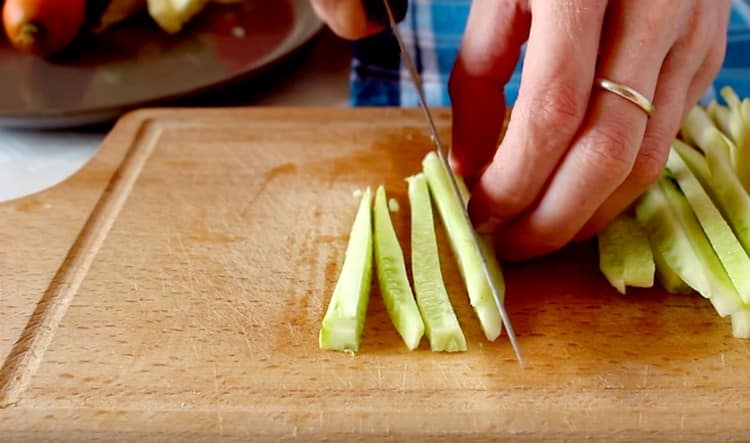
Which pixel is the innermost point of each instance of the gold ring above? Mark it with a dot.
(627, 93)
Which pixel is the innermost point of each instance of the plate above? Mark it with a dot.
(136, 64)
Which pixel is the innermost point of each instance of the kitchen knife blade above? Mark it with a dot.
(417, 82)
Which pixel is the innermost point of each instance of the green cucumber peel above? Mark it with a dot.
(462, 244)
(440, 321)
(675, 234)
(625, 256)
(342, 325)
(392, 278)
(729, 250)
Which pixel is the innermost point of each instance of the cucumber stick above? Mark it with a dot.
(676, 235)
(440, 321)
(343, 322)
(741, 324)
(718, 179)
(667, 277)
(462, 245)
(625, 256)
(729, 250)
(392, 279)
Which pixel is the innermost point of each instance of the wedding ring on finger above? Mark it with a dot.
(627, 93)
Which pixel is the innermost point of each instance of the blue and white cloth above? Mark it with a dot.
(433, 30)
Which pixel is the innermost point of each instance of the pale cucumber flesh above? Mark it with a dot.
(729, 250)
(441, 323)
(392, 278)
(741, 324)
(715, 174)
(462, 244)
(675, 233)
(625, 256)
(667, 277)
(344, 320)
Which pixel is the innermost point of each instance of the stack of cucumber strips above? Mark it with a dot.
(427, 309)
(691, 230)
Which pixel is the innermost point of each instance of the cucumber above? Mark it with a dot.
(718, 179)
(625, 256)
(392, 279)
(739, 133)
(667, 277)
(729, 250)
(462, 245)
(440, 321)
(675, 233)
(342, 325)
(720, 116)
(741, 324)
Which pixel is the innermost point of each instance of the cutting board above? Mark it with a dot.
(174, 287)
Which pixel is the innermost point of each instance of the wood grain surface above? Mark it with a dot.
(172, 290)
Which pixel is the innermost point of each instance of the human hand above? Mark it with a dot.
(354, 19)
(574, 155)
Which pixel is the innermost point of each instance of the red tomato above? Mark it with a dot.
(43, 27)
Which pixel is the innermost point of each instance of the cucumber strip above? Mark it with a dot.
(625, 256)
(741, 324)
(462, 245)
(342, 325)
(667, 277)
(729, 250)
(720, 116)
(675, 233)
(739, 133)
(440, 321)
(718, 179)
(392, 279)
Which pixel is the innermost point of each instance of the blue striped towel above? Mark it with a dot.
(433, 29)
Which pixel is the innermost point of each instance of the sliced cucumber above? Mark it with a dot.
(739, 134)
(718, 179)
(720, 116)
(392, 279)
(625, 256)
(741, 324)
(729, 250)
(440, 321)
(667, 277)
(342, 325)
(675, 233)
(462, 245)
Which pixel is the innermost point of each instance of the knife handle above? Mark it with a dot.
(376, 12)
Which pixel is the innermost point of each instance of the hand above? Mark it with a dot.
(349, 18)
(574, 155)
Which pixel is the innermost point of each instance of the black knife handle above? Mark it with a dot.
(376, 12)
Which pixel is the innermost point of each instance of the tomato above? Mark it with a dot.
(43, 27)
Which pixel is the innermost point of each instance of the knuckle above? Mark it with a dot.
(611, 148)
(560, 106)
(650, 161)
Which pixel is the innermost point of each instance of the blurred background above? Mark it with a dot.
(56, 107)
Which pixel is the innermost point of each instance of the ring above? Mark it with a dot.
(627, 93)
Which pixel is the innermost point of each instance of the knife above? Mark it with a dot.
(417, 82)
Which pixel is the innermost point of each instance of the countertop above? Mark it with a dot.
(31, 161)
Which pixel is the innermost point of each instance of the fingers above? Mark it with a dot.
(555, 87)
(490, 49)
(346, 18)
(682, 81)
(604, 151)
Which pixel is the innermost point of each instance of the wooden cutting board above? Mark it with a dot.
(173, 290)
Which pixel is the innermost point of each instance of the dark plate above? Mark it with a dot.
(136, 64)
